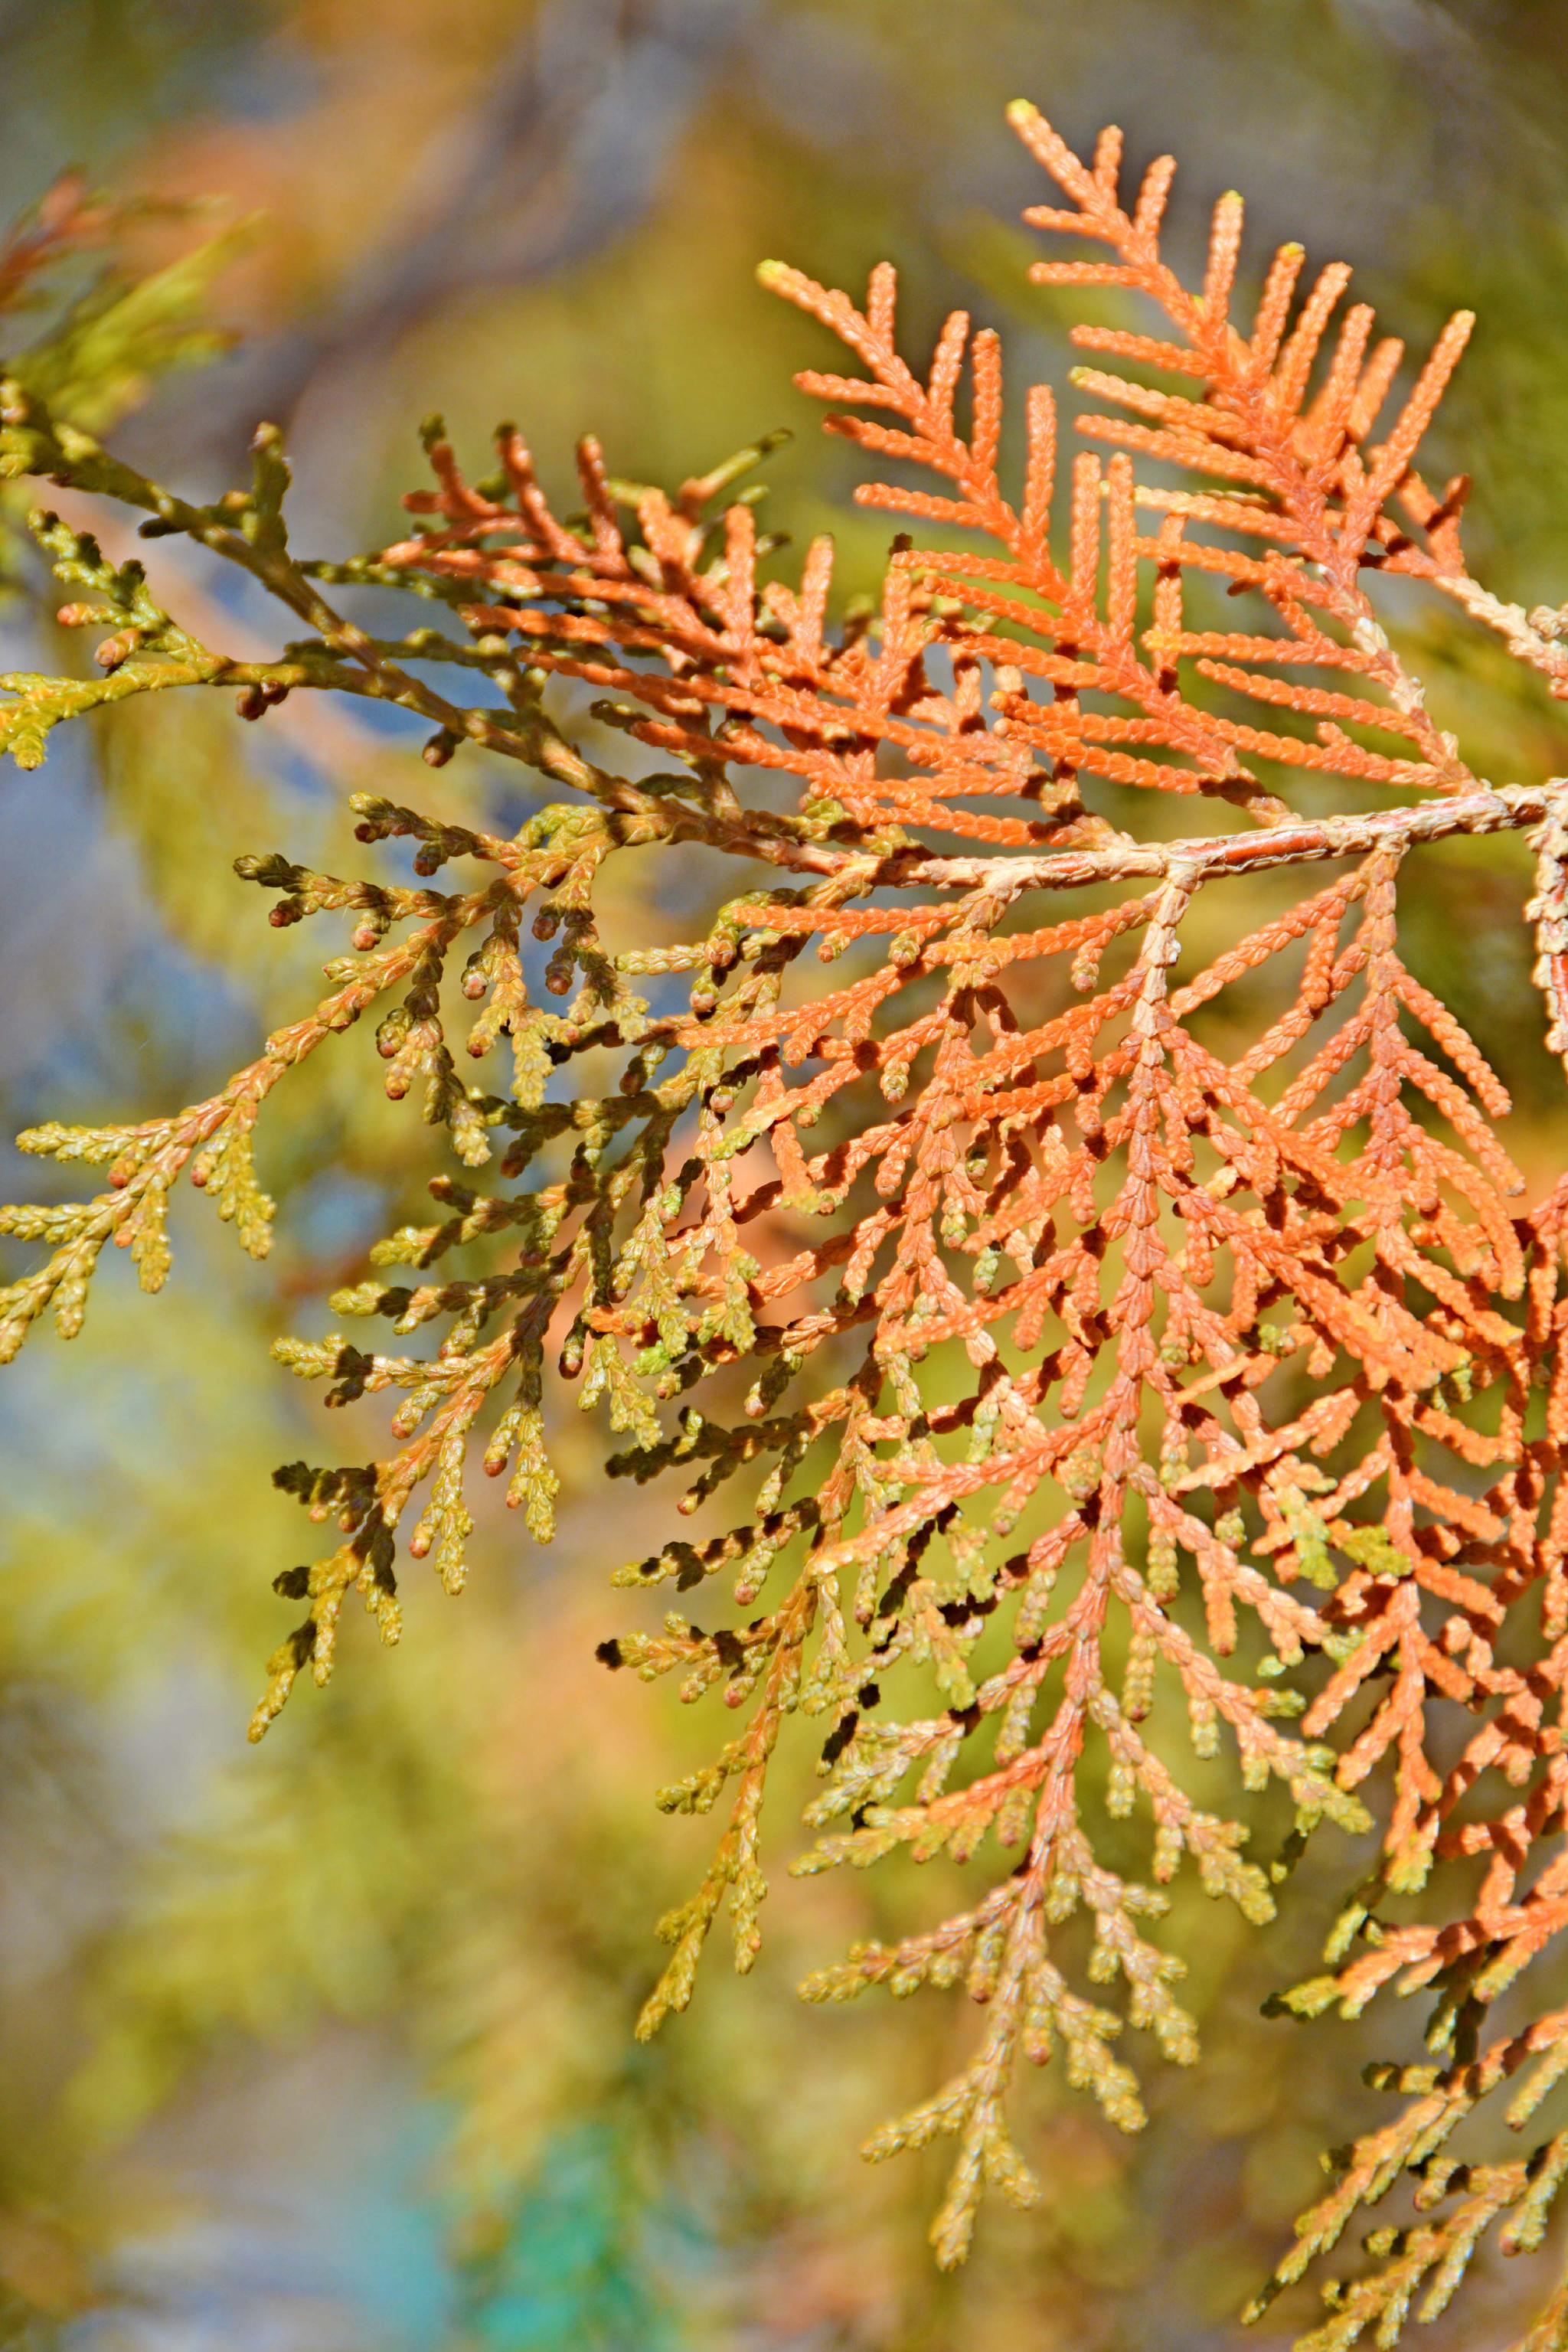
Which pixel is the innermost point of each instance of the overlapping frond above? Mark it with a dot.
(1096, 1399)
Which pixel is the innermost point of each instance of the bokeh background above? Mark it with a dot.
(326, 2047)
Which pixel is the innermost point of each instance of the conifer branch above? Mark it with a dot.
(1098, 1396)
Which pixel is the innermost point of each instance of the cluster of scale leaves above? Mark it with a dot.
(1101, 1398)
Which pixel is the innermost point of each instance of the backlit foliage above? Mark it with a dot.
(1124, 1334)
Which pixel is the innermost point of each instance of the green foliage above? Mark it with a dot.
(614, 1176)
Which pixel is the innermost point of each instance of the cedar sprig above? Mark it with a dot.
(1090, 1399)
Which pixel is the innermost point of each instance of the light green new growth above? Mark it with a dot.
(1073, 1264)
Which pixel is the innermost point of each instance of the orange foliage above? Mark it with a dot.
(1079, 1348)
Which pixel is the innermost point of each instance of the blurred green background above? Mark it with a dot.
(328, 2046)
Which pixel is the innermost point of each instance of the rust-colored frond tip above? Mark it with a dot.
(1119, 1320)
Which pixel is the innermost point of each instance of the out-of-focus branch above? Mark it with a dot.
(565, 152)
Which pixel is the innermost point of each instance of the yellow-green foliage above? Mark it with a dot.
(645, 659)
